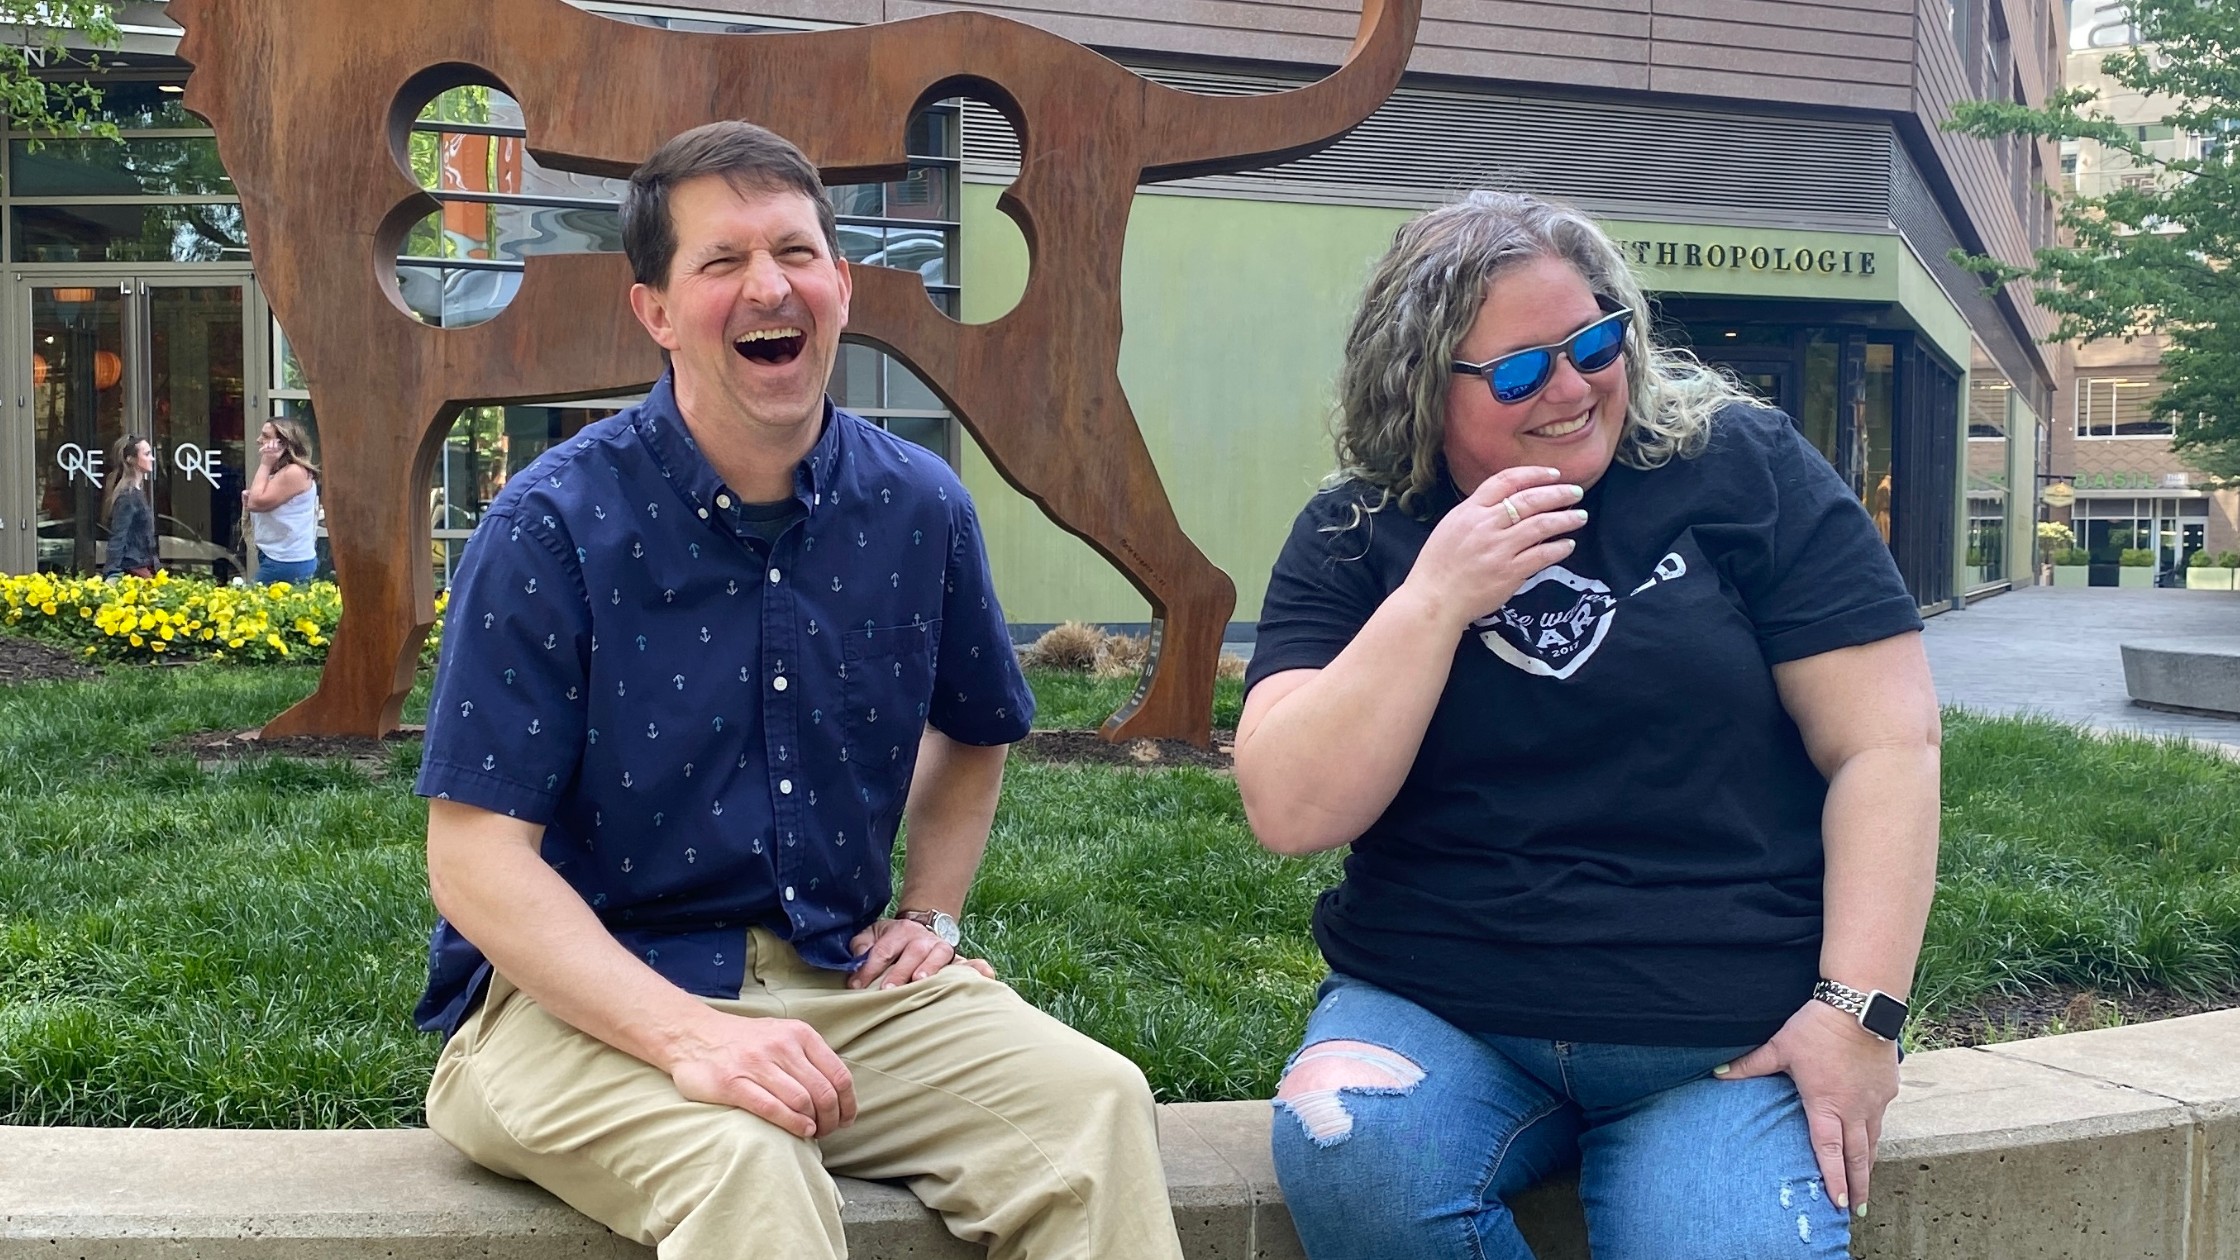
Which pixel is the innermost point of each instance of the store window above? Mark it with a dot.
(1990, 402)
(2119, 407)
(156, 194)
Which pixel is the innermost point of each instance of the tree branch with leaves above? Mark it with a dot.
(2154, 256)
(41, 38)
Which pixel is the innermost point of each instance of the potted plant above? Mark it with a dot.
(2206, 572)
(2135, 567)
(2072, 567)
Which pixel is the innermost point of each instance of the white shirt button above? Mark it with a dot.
(703, 514)
(773, 577)
(723, 500)
(778, 683)
(785, 787)
(789, 892)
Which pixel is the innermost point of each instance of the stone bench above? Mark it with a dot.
(2184, 675)
(2120, 1144)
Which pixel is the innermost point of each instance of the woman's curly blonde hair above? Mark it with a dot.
(1421, 300)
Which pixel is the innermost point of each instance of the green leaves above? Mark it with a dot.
(2153, 255)
(61, 107)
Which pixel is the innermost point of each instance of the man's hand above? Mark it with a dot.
(900, 951)
(778, 1069)
(1846, 1077)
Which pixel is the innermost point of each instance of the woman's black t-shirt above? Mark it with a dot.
(1612, 830)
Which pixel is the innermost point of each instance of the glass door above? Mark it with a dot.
(160, 360)
(77, 411)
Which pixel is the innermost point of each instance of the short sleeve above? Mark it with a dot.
(1325, 586)
(979, 695)
(506, 718)
(1826, 578)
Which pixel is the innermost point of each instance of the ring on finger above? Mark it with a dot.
(1515, 517)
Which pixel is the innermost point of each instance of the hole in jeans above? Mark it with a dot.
(1326, 1069)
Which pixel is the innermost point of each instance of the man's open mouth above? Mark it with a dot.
(775, 346)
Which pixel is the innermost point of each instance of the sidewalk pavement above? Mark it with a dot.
(2055, 652)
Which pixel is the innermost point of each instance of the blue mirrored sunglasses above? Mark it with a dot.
(1520, 374)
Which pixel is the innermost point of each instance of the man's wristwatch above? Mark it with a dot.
(941, 924)
(1876, 1011)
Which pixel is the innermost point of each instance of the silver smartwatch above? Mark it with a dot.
(1876, 1011)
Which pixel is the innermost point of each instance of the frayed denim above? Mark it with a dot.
(1398, 1137)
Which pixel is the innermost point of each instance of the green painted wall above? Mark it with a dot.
(1236, 315)
(1235, 318)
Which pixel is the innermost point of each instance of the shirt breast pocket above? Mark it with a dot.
(888, 687)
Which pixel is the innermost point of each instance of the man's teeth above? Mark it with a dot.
(769, 334)
(1563, 428)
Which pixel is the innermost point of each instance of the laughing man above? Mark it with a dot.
(701, 660)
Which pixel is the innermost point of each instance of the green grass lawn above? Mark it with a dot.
(243, 946)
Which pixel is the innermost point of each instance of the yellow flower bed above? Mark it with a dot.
(168, 618)
(174, 618)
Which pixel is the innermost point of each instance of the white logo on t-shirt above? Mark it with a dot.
(1557, 619)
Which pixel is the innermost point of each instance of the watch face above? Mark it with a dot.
(1885, 1016)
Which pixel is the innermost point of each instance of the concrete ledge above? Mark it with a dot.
(2185, 675)
(2122, 1144)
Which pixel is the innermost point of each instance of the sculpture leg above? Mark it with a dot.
(377, 524)
(1123, 511)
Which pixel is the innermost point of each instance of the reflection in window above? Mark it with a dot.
(2119, 406)
(173, 232)
(1873, 435)
(486, 447)
(157, 167)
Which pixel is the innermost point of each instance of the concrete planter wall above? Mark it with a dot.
(2072, 575)
(2134, 575)
(2210, 578)
(2121, 1144)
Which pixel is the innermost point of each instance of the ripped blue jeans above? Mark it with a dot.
(1429, 1129)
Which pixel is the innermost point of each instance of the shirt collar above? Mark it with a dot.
(683, 466)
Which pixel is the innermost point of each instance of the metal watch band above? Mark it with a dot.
(1877, 1012)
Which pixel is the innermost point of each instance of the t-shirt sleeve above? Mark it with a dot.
(506, 718)
(979, 694)
(1824, 578)
(1323, 589)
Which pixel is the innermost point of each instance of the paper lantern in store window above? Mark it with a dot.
(38, 370)
(108, 369)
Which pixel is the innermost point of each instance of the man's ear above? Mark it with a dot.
(651, 306)
(847, 288)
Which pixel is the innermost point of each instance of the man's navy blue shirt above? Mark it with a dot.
(713, 737)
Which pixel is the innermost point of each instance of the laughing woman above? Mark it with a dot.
(1616, 695)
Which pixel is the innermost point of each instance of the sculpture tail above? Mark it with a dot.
(1188, 135)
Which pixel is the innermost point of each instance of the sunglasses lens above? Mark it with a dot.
(1598, 347)
(1520, 376)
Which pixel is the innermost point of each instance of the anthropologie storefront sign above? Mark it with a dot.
(1742, 254)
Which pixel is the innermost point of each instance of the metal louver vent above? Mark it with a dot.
(1425, 146)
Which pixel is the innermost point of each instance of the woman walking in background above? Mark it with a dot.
(283, 503)
(129, 510)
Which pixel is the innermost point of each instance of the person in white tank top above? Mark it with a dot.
(283, 503)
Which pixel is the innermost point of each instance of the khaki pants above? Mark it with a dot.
(1025, 1135)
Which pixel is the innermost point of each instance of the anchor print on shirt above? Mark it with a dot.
(1553, 624)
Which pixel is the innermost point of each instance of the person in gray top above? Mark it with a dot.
(129, 510)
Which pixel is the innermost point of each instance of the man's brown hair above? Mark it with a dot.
(752, 159)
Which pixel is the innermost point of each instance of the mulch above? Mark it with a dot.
(25, 660)
(1090, 748)
(2062, 1008)
(214, 748)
